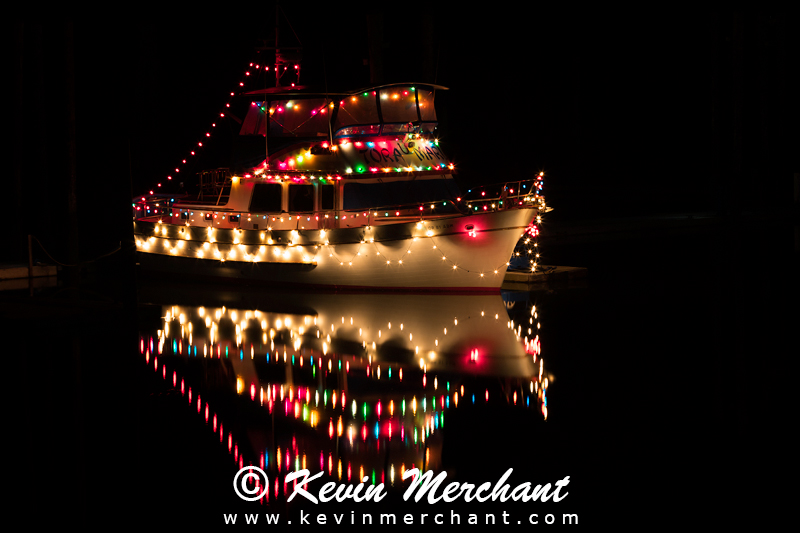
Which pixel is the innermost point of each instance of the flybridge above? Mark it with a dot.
(378, 130)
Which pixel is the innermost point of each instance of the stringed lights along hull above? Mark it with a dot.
(450, 253)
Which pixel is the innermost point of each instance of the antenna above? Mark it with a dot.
(284, 55)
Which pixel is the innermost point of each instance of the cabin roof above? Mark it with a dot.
(301, 91)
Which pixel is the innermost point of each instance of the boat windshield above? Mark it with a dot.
(379, 111)
(385, 110)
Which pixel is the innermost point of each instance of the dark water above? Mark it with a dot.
(656, 369)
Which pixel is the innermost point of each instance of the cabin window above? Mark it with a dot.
(299, 118)
(326, 197)
(409, 127)
(288, 118)
(426, 109)
(185, 215)
(233, 218)
(266, 198)
(361, 129)
(359, 196)
(358, 110)
(398, 104)
(406, 127)
(301, 198)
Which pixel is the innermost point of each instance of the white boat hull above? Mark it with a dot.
(462, 252)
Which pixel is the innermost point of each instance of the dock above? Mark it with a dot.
(15, 277)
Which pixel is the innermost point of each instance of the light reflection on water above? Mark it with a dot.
(353, 385)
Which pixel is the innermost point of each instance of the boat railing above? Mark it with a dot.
(493, 197)
(326, 218)
(213, 182)
(509, 195)
(155, 204)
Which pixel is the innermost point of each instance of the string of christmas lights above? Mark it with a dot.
(146, 349)
(255, 253)
(252, 67)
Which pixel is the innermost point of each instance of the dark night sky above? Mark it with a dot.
(575, 97)
(625, 115)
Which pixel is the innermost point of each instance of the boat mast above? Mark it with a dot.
(277, 84)
(266, 126)
(293, 55)
(277, 50)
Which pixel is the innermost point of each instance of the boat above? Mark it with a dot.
(352, 192)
